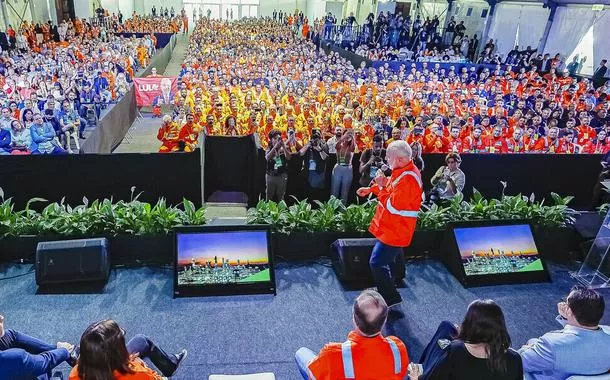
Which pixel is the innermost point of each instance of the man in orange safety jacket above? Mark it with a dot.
(366, 355)
(399, 197)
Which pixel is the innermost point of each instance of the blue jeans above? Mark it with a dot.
(15, 339)
(341, 182)
(41, 357)
(433, 351)
(382, 257)
(145, 347)
(303, 357)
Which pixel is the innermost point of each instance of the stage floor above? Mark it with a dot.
(244, 334)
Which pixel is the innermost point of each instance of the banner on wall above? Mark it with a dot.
(155, 90)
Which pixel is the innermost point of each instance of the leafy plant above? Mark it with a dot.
(327, 217)
(98, 218)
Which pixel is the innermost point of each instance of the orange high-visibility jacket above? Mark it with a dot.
(398, 207)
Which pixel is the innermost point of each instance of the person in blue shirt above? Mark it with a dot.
(582, 347)
(5, 141)
(25, 357)
(43, 137)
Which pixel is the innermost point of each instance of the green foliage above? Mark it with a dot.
(333, 216)
(105, 217)
(109, 218)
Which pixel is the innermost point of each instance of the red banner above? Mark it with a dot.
(155, 90)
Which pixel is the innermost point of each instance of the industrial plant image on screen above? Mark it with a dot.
(498, 249)
(216, 258)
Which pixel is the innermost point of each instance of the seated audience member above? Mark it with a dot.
(5, 141)
(477, 349)
(582, 347)
(21, 139)
(366, 355)
(24, 357)
(449, 180)
(104, 355)
(43, 138)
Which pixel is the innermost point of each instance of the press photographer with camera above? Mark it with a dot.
(372, 160)
(342, 175)
(448, 181)
(277, 157)
(314, 154)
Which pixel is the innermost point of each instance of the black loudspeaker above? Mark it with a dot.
(351, 261)
(67, 261)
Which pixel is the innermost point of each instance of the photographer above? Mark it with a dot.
(342, 175)
(372, 160)
(314, 154)
(277, 157)
(448, 181)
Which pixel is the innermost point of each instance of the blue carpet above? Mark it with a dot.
(244, 334)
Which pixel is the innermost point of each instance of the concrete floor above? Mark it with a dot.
(142, 136)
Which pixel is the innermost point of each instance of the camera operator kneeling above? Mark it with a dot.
(448, 181)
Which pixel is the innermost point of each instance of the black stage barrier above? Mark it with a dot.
(232, 164)
(172, 176)
(574, 175)
(115, 123)
(354, 58)
(112, 127)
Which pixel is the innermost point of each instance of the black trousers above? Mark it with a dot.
(146, 348)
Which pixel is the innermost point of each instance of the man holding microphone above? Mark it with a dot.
(400, 197)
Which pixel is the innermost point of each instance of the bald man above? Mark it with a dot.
(366, 354)
(396, 216)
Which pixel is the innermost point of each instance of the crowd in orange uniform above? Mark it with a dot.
(252, 76)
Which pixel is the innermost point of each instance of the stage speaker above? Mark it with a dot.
(66, 261)
(351, 261)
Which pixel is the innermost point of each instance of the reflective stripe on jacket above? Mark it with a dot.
(399, 203)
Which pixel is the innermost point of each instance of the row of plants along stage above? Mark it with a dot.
(110, 218)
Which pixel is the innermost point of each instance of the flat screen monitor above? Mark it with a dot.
(223, 260)
(496, 252)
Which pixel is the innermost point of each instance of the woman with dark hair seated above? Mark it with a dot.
(478, 349)
(105, 356)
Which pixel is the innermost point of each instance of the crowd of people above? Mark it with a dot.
(479, 347)
(258, 77)
(55, 80)
(395, 37)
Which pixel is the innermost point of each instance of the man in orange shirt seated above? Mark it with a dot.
(366, 355)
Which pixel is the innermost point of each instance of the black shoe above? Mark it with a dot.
(179, 359)
(73, 358)
(81, 136)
